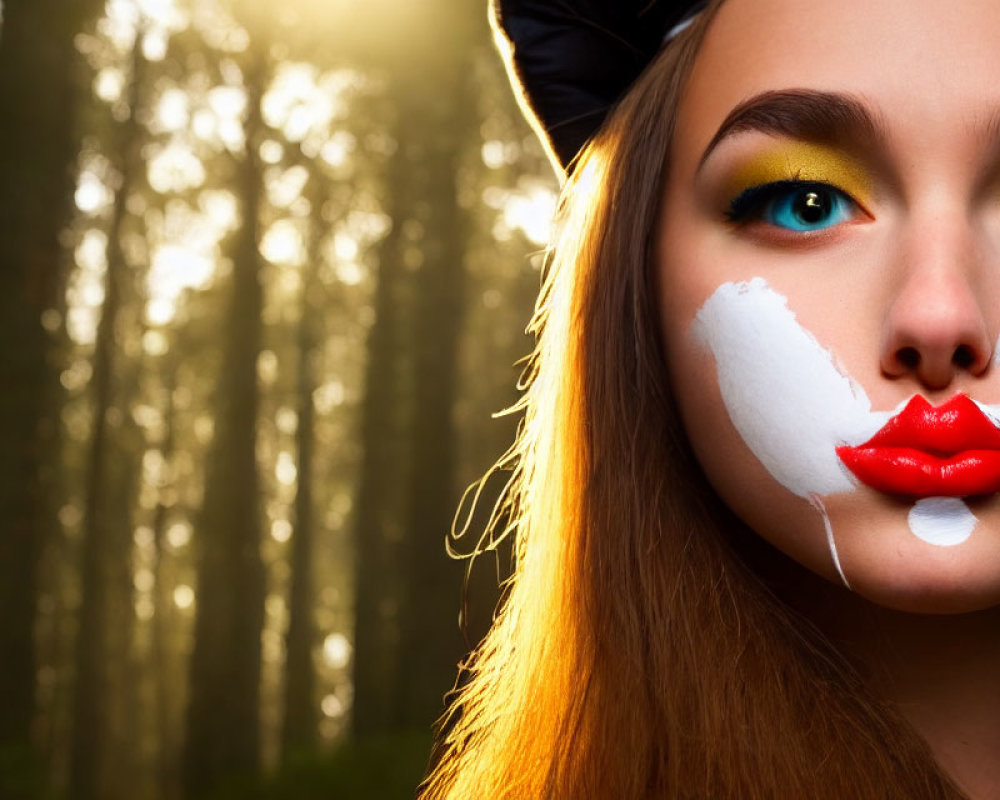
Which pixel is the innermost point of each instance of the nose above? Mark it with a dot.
(935, 327)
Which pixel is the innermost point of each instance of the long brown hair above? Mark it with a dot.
(636, 654)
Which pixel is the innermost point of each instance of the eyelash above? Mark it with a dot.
(750, 204)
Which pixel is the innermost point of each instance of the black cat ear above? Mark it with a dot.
(571, 60)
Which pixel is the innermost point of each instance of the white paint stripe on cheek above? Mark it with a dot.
(782, 390)
(784, 393)
(830, 541)
(792, 406)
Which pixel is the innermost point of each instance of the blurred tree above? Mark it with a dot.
(298, 734)
(439, 145)
(232, 370)
(223, 727)
(39, 97)
(108, 492)
(407, 588)
(377, 516)
(165, 769)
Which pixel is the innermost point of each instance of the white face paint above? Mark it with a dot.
(793, 406)
(783, 391)
(944, 521)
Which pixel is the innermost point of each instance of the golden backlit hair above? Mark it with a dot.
(636, 655)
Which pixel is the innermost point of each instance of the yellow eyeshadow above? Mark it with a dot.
(802, 161)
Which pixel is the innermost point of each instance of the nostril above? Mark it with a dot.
(909, 357)
(963, 357)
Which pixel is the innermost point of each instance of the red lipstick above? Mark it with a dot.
(952, 450)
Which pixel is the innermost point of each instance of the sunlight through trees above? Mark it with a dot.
(267, 271)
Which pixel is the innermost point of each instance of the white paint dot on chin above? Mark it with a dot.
(942, 521)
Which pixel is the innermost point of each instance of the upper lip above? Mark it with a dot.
(949, 451)
(954, 427)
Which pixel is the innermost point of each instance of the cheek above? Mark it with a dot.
(781, 389)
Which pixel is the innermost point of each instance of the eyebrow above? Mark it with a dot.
(803, 114)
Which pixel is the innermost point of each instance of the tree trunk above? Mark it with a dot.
(377, 518)
(38, 99)
(298, 734)
(430, 647)
(223, 732)
(103, 555)
(407, 589)
(164, 700)
(123, 707)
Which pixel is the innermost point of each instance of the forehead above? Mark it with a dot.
(923, 66)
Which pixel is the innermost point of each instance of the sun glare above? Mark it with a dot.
(303, 103)
(91, 253)
(286, 420)
(294, 103)
(164, 13)
(529, 209)
(532, 213)
(144, 580)
(350, 273)
(172, 111)
(281, 530)
(185, 250)
(179, 534)
(284, 187)
(285, 470)
(175, 168)
(267, 367)
(85, 291)
(228, 102)
(184, 597)
(123, 19)
(338, 148)
(109, 83)
(329, 396)
(154, 44)
(283, 244)
(220, 207)
(332, 706)
(345, 246)
(154, 468)
(174, 269)
(218, 28)
(144, 537)
(337, 650)
(92, 196)
(120, 22)
(271, 152)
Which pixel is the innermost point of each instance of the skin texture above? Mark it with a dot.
(905, 294)
(915, 270)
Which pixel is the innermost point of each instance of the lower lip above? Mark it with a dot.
(915, 473)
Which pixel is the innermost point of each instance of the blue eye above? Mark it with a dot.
(793, 205)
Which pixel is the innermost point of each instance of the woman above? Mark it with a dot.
(757, 528)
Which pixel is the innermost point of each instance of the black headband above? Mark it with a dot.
(573, 59)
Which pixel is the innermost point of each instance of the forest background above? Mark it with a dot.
(265, 270)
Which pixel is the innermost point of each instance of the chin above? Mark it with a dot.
(883, 562)
(887, 565)
(931, 600)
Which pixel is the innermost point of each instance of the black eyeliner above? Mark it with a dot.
(753, 199)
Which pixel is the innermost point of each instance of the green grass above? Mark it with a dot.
(383, 768)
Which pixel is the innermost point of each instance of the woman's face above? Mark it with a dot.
(829, 278)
